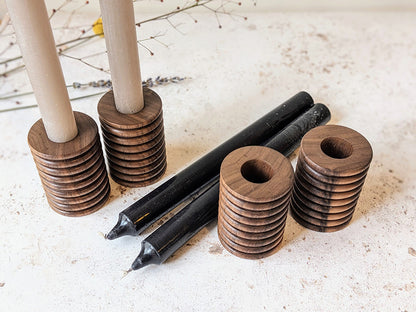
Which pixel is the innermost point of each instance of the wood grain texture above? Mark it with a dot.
(95, 179)
(318, 228)
(256, 207)
(72, 179)
(326, 193)
(328, 186)
(250, 235)
(134, 143)
(131, 133)
(138, 170)
(42, 147)
(347, 180)
(75, 170)
(332, 166)
(255, 189)
(250, 242)
(322, 208)
(248, 255)
(110, 116)
(137, 156)
(278, 168)
(251, 213)
(138, 163)
(336, 151)
(73, 174)
(73, 162)
(325, 201)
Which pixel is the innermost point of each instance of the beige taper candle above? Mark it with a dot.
(34, 35)
(120, 37)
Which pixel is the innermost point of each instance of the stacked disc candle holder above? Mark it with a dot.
(255, 188)
(73, 173)
(331, 170)
(134, 143)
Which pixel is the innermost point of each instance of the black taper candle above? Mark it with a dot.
(172, 235)
(140, 215)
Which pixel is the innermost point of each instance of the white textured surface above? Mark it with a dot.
(362, 65)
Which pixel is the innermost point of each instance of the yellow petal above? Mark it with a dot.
(97, 27)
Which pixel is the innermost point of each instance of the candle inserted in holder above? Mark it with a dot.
(73, 174)
(65, 146)
(131, 116)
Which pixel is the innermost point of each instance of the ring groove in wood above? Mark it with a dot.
(252, 256)
(332, 166)
(250, 235)
(73, 174)
(255, 190)
(134, 143)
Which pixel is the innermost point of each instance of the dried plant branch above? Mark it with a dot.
(81, 59)
(64, 3)
(105, 84)
(35, 105)
(189, 6)
(84, 38)
(73, 12)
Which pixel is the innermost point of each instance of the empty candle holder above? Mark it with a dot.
(331, 170)
(255, 188)
(134, 143)
(73, 174)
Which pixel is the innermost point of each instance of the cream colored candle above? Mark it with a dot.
(34, 35)
(120, 37)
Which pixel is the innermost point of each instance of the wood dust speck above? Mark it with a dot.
(322, 36)
(2, 284)
(216, 249)
(121, 189)
(412, 251)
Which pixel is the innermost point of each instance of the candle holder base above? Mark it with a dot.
(73, 174)
(255, 188)
(332, 166)
(134, 143)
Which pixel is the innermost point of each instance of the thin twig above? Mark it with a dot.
(76, 40)
(107, 84)
(169, 14)
(15, 69)
(35, 105)
(65, 3)
(84, 38)
(86, 63)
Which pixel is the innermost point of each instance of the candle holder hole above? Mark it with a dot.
(256, 171)
(336, 147)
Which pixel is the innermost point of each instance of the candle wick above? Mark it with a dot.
(126, 272)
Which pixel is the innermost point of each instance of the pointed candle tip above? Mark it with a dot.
(110, 235)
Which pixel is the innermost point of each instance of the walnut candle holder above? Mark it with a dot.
(73, 174)
(134, 143)
(332, 166)
(255, 188)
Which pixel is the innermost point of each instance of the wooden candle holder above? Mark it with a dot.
(332, 166)
(73, 174)
(255, 189)
(134, 143)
